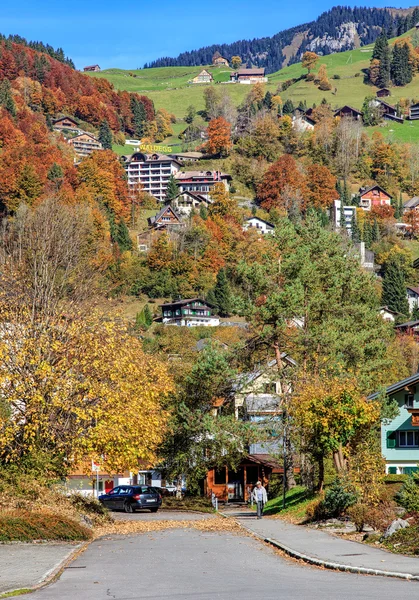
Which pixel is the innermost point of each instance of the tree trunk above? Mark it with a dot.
(289, 465)
(179, 487)
(339, 461)
(320, 483)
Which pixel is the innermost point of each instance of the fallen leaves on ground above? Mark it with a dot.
(213, 525)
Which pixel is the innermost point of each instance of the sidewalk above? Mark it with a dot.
(323, 549)
(25, 566)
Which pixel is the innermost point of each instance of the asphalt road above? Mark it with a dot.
(192, 565)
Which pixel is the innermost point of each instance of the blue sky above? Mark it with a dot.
(128, 34)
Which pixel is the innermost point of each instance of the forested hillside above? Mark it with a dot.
(339, 29)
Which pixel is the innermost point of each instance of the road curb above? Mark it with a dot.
(325, 563)
(54, 573)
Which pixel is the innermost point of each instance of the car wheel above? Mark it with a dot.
(128, 508)
(154, 509)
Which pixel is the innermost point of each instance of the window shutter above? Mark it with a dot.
(392, 470)
(391, 439)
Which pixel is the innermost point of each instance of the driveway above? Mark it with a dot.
(185, 564)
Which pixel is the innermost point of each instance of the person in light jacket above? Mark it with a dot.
(260, 497)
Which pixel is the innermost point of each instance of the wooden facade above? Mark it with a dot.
(373, 196)
(349, 112)
(237, 486)
(65, 123)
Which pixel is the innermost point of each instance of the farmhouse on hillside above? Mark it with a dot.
(151, 172)
(383, 93)
(301, 121)
(219, 61)
(388, 111)
(373, 196)
(167, 216)
(411, 204)
(65, 123)
(94, 68)
(186, 202)
(400, 437)
(249, 76)
(203, 77)
(191, 312)
(414, 112)
(85, 143)
(349, 112)
(260, 225)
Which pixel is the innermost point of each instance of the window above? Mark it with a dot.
(142, 248)
(219, 476)
(270, 387)
(409, 400)
(409, 439)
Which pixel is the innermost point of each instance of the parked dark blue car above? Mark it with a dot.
(131, 498)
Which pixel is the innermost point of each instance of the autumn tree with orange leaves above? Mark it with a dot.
(321, 187)
(280, 181)
(219, 137)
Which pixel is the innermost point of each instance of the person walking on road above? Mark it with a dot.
(260, 497)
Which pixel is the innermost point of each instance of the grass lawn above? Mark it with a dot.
(296, 501)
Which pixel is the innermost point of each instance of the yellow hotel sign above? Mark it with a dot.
(150, 148)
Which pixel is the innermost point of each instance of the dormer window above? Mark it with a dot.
(409, 400)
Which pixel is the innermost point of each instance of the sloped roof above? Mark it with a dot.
(156, 217)
(415, 290)
(412, 203)
(350, 108)
(245, 379)
(372, 187)
(399, 385)
(250, 72)
(184, 301)
(262, 221)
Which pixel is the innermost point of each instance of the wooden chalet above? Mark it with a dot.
(411, 204)
(349, 112)
(414, 112)
(187, 201)
(166, 217)
(65, 123)
(85, 143)
(219, 61)
(203, 77)
(189, 312)
(410, 327)
(388, 111)
(373, 196)
(246, 75)
(91, 68)
(383, 93)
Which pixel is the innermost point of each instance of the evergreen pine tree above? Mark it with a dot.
(288, 107)
(222, 293)
(367, 234)
(346, 194)
(172, 189)
(105, 135)
(399, 207)
(55, 174)
(356, 234)
(139, 116)
(148, 317)
(401, 67)
(379, 46)
(394, 287)
(123, 238)
(6, 97)
(375, 232)
(267, 101)
(203, 212)
(49, 123)
(385, 65)
(342, 219)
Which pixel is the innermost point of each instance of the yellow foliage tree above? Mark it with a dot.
(329, 412)
(76, 387)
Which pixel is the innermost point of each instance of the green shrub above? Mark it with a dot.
(335, 76)
(395, 478)
(29, 526)
(408, 495)
(88, 504)
(338, 498)
(359, 514)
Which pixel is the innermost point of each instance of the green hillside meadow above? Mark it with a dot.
(168, 87)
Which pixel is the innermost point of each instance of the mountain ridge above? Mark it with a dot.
(339, 29)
